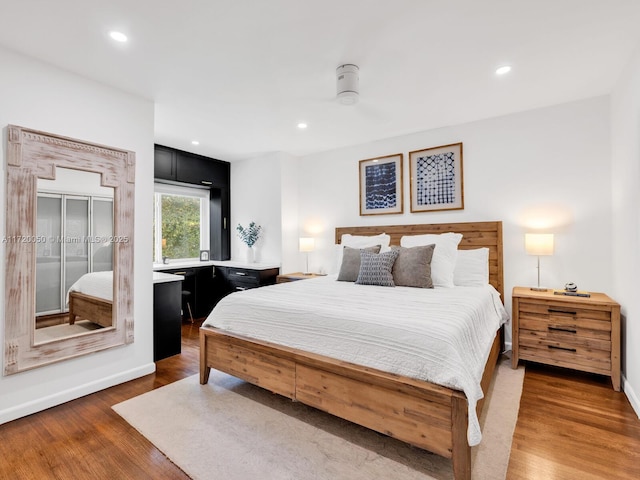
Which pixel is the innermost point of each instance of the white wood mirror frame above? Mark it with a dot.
(31, 155)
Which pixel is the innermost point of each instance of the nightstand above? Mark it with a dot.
(582, 333)
(292, 277)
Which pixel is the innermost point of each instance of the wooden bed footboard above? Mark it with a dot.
(426, 415)
(98, 310)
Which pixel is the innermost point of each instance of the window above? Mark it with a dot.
(181, 222)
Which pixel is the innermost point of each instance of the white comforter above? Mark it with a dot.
(96, 284)
(441, 335)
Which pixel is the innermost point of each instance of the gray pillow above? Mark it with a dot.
(351, 262)
(413, 267)
(375, 269)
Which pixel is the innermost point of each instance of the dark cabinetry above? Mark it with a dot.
(199, 170)
(167, 322)
(234, 279)
(165, 164)
(190, 168)
(185, 168)
(199, 282)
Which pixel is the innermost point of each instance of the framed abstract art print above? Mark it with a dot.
(381, 185)
(436, 178)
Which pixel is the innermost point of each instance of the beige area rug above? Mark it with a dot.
(231, 430)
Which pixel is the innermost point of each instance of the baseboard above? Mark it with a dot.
(631, 395)
(58, 398)
(507, 346)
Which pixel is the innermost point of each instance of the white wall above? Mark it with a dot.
(36, 95)
(292, 259)
(549, 167)
(625, 128)
(255, 190)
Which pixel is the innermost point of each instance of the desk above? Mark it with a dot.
(198, 279)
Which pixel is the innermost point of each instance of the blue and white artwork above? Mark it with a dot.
(436, 179)
(380, 184)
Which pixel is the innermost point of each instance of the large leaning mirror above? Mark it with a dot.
(69, 248)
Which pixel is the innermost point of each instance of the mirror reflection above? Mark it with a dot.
(74, 255)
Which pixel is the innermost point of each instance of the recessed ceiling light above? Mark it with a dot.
(503, 70)
(302, 125)
(195, 142)
(118, 36)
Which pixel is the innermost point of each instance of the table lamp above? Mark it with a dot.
(307, 244)
(539, 244)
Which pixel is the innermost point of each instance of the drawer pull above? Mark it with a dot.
(555, 347)
(180, 273)
(558, 310)
(242, 274)
(562, 329)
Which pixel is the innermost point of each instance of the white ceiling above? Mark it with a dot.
(238, 75)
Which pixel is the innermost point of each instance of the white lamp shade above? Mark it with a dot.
(307, 244)
(539, 243)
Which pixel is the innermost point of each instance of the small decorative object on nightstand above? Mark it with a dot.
(582, 333)
(539, 244)
(292, 277)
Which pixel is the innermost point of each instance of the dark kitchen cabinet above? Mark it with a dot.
(167, 321)
(184, 168)
(165, 163)
(243, 278)
(199, 170)
(199, 282)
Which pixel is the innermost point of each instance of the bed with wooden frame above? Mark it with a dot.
(90, 298)
(95, 309)
(423, 414)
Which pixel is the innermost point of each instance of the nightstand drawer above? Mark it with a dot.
(563, 312)
(563, 338)
(566, 355)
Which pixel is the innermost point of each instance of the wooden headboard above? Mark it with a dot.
(474, 235)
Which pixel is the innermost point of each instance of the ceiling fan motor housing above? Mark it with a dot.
(347, 83)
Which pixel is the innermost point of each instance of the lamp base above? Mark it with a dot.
(539, 289)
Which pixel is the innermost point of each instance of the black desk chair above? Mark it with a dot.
(186, 297)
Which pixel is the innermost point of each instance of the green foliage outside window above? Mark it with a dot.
(180, 226)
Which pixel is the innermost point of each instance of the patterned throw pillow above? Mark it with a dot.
(375, 269)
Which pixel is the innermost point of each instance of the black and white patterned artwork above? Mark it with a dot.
(381, 185)
(436, 178)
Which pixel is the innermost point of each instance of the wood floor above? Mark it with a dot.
(570, 427)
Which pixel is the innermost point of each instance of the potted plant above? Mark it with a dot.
(249, 236)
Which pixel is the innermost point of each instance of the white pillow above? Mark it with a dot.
(362, 241)
(444, 257)
(472, 268)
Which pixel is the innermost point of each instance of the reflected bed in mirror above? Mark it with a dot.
(68, 248)
(74, 255)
